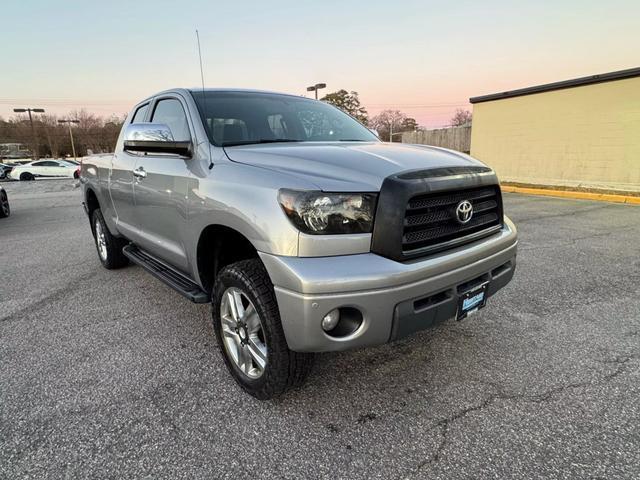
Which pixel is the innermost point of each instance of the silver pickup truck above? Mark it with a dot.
(304, 231)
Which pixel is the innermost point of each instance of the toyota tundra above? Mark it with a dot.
(303, 230)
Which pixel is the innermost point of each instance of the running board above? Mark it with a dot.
(179, 282)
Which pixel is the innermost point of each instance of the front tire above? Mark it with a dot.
(247, 323)
(5, 210)
(109, 247)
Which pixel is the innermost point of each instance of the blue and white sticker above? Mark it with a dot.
(469, 303)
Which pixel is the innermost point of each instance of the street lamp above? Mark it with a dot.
(69, 122)
(33, 130)
(316, 87)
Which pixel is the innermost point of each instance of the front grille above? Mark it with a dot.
(430, 219)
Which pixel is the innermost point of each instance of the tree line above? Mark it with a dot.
(100, 134)
(52, 139)
(388, 123)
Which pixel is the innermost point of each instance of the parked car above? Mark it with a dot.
(304, 231)
(5, 210)
(4, 170)
(44, 168)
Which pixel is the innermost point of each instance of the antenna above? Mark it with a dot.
(204, 96)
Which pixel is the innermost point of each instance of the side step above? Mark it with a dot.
(168, 275)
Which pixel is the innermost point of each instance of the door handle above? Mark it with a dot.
(139, 172)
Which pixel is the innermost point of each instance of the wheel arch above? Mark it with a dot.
(92, 203)
(219, 246)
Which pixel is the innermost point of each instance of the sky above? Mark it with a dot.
(425, 58)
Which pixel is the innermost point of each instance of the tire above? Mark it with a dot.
(109, 247)
(283, 369)
(5, 210)
(26, 176)
(75, 175)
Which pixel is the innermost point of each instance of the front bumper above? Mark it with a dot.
(395, 298)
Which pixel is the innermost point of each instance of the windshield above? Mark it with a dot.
(242, 118)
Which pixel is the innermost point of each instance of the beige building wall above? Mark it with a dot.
(581, 136)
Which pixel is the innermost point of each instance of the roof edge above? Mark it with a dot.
(548, 87)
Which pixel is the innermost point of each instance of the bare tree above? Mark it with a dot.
(93, 132)
(461, 117)
(389, 123)
(53, 133)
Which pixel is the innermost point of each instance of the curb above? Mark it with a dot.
(602, 197)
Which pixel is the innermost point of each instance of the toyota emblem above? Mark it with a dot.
(464, 212)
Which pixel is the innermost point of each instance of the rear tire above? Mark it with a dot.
(5, 210)
(26, 176)
(109, 247)
(276, 368)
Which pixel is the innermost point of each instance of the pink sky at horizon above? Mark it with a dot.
(424, 58)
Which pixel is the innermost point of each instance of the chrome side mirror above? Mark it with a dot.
(154, 138)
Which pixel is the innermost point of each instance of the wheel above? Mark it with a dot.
(75, 175)
(27, 176)
(5, 210)
(109, 247)
(247, 323)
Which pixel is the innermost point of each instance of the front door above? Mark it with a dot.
(161, 189)
(121, 182)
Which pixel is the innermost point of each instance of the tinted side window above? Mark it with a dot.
(170, 112)
(140, 113)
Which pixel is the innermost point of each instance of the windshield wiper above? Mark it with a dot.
(353, 140)
(261, 140)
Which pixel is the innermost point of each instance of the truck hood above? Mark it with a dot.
(346, 166)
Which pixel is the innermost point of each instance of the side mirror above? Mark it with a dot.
(154, 138)
(375, 132)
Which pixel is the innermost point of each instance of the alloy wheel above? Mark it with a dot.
(242, 333)
(101, 241)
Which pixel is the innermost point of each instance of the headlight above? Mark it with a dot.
(322, 213)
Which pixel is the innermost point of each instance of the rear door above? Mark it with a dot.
(161, 189)
(121, 180)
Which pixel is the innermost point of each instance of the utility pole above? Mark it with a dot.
(69, 122)
(33, 130)
(316, 87)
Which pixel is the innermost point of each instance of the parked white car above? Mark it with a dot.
(44, 168)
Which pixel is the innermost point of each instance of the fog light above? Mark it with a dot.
(330, 320)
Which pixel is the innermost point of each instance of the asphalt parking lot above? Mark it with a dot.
(112, 374)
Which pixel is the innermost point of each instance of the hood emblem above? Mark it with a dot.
(464, 212)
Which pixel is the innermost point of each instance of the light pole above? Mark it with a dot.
(33, 130)
(316, 87)
(69, 122)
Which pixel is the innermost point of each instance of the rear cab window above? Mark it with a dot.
(140, 114)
